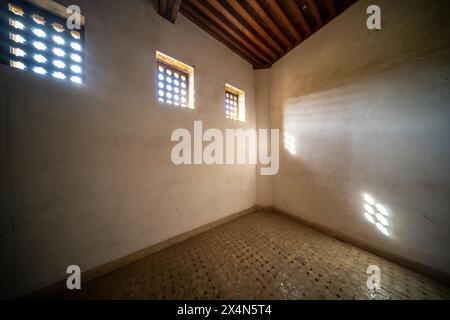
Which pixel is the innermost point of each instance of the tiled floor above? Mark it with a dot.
(260, 256)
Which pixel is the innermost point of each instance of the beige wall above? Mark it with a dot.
(263, 183)
(370, 114)
(90, 177)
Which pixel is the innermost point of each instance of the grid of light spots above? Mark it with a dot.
(173, 87)
(289, 143)
(39, 41)
(376, 214)
(231, 105)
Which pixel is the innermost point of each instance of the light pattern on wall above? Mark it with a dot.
(376, 214)
(289, 143)
(39, 41)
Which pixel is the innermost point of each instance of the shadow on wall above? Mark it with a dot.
(328, 164)
(356, 154)
(304, 187)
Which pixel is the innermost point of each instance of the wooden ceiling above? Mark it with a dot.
(260, 31)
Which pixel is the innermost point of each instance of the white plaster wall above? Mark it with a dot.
(89, 177)
(370, 112)
(262, 83)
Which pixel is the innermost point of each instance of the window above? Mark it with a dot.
(234, 103)
(175, 82)
(39, 41)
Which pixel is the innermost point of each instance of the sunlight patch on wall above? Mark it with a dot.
(289, 143)
(376, 214)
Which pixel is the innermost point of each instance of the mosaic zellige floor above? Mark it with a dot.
(260, 256)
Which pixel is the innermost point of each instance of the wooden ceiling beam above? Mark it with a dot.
(298, 15)
(315, 12)
(195, 17)
(200, 5)
(331, 8)
(262, 66)
(259, 31)
(278, 12)
(268, 21)
(169, 9)
(255, 25)
(231, 19)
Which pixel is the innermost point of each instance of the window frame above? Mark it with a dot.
(173, 70)
(231, 103)
(182, 69)
(240, 94)
(30, 9)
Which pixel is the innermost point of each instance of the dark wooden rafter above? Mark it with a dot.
(315, 12)
(216, 32)
(331, 8)
(231, 19)
(281, 16)
(255, 25)
(201, 5)
(297, 13)
(260, 31)
(169, 9)
(270, 23)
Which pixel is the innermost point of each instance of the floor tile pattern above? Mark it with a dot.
(260, 256)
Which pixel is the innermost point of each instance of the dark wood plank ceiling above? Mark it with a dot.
(260, 31)
(169, 9)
